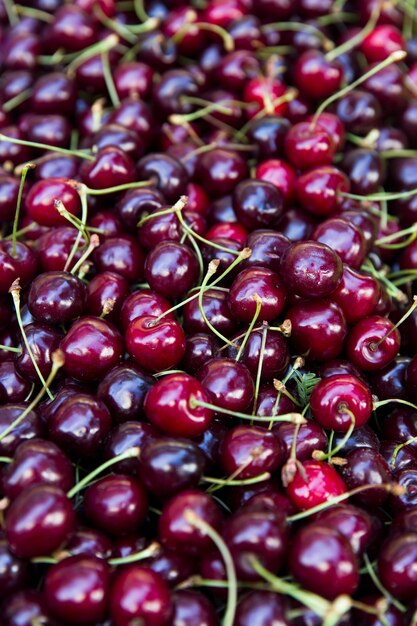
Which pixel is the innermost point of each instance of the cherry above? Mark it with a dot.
(9, 187)
(43, 341)
(318, 190)
(168, 406)
(10, 151)
(355, 524)
(345, 239)
(322, 560)
(72, 28)
(311, 269)
(121, 255)
(76, 589)
(227, 230)
(20, 262)
(106, 293)
(13, 387)
(37, 462)
(155, 344)
(307, 146)
(116, 504)
(110, 168)
(136, 203)
(142, 303)
(21, 51)
(260, 534)
(125, 437)
(257, 204)
(280, 174)
(136, 115)
(314, 483)
(170, 93)
(13, 571)
(364, 169)
(232, 70)
(395, 565)
(133, 79)
(341, 401)
(168, 466)
(309, 437)
(80, 425)
(169, 174)
(29, 428)
(171, 269)
(91, 348)
(117, 135)
(89, 542)
(296, 224)
(261, 607)
(172, 566)
(268, 134)
(316, 77)
(220, 170)
(54, 248)
(398, 458)
(268, 247)
(56, 297)
(333, 127)
(382, 41)
(359, 111)
(39, 521)
(138, 593)
(271, 355)
(372, 343)
(248, 451)
(318, 329)
(175, 529)
(123, 391)
(390, 381)
(192, 607)
(228, 383)
(366, 466)
(263, 282)
(357, 294)
(24, 607)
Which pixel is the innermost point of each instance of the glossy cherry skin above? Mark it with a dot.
(10, 151)
(111, 167)
(268, 134)
(359, 111)
(308, 147)
(268, 247)
(318, 190)
(22, 607)
(125, 437)
(13, 387)
(200, 348)
(331, 396)
(318, 329)
(296, 224)
(257, 204)
(9, 187)
(275, 353)
(382, 41)
(133, 79)
(316, 77)
(396, 565)
(53, 93)
(138, 593)
(142, 303)
(169, 174)
(41, 200)
(168, 406)
(56, 297)
(345, 238)
(37, 462)
(192, 607)
(357, 294)
(355, 524)
(121, 255)
(260, 533)
(136, 203)
(22, 264)
(316, 482)
(250, 451)
(106, 293)
(398, 459)
(156, 345)
(13, 571)
(171, 269)
(91, 348)
(39, 521)
(227, 383)
(311, 269)
(367, 467)
(116, 504)
(322, 560)
(169, 465)
(362, 343)
(220, 170)
(216, 308)
(280, 174)
(261, 607)
(29, 428)
(80, 425)
(263, 282)
(136, 115)
(309, 438)
(365, 171)
(76, 589)
(176, 531)
(89, 542)
(123, 390)
(55, 246)
(43, 341)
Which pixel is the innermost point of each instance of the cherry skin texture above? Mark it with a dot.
(171, 269)
(252, 448)
(76, 589)
(261, 281)
(323, 561)
(345, 238)
(123, 391)
(121, 255)
(261, 607)
(192, 607)
(156, 345)
(91, 348)
(39, 521)
(396, 565)
(355, 524)
(138, 594)
(57, 297)
(142, 303)
(41, 201)
(257, 204)
(310, 437)
(362, 346)
(331, 396)
(318, 190)
(311, 269)
(357, 294)
(168, 406)
(316, 482)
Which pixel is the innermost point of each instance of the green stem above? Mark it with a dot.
(104, 45)
(294, 418)
(108, 77)
(10, 349)
(380, 586)
(84, 211)
(357, 39)
(251, 326)
(225, 482)
(259, 368)
(43, 146)
(147, 553)
(25, 170)
(17, 100)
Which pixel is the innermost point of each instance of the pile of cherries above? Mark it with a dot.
(208, 333)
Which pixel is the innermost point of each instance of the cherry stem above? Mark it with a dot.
(407, 314)
(93, 244)
(118, 28)
(57, 363)
(299, 27)
(105, 45)
(196, 521)
(15, 292)
(230, 482)
(212, 269)
(44, 146)
(395, 57)
(152, 550)
(17, 100)
(124, 187)
(339, 16)
(299, 362)
(127, 454)
(72, 219)
(10, 349)
(267, 110)
(319, 455)
(6, 459)
(27, 167)
(354, 41)
(139, 7)
(391, 288)
(280, 386)
(260, 364)
(411, 230)
(294, 418)
(38, 14)
(398, 448)
(228, 41)
(84, 212)
(108, 77)
(11, 11)
(258, 301)
(370, 570)
(380, 403)
(179, 119)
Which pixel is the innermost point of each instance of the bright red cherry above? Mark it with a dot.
(41, 201)
(155, 344)
(382, 41)
(280, 174)
(315, 482)
(318, 190)
(316, 77)
(357, 294)
(263, 282)
(309, 146)
(373, 343)
(265, 94)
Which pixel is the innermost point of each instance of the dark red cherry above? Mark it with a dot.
(168, 174)
(311, 269)
(21, 52)
(309, 437)
(13, 152)
(268, 134)
(136, 115)
(133, 79)
(250, 451)
(192, 607)
(171, 269)
(391, 380)
(13, 387)
(56, 297)
(263, 282)
(340, 401)
(268, 247)
(39, 521)
(139, 594)
(372, 343)
(366, 466)
(121, 255)
(136, 203)
(55, 246)
(170, 92)
(73, 29)
(318, 190)
(110, 168)
(107, 292)
(318, 329)
(359, 111)
(155, 344)
(29, 428)
(216, 308)
(308, 146)
(173, 566)
(168, 406)
(142, 303)
(37, 462)
(13, 571)
(315, 76)
(9, 188)
(314, 483)
(280, 174)
(20, 262)
(257, 203)
(123, 390)
(175, 528)
(228, 383)
(76, 589)
(261, 607)
(91, 348)
(80, 425)
(357, 294)
(168, 466)
(220, 170)
(200, 348)
(24, 607)
(125, 437)
(355, 524)
(396, 565)
(43, 341)
(296, 225)
(116, 504)
(272, 353)
(117, 135)
(345, 239)
(322, 560)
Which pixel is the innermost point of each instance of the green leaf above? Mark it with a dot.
(305, 382)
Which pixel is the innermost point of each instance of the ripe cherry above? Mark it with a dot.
(314, 483)
(56, 297)
(372, 343)
(316, 77)
(308, 146)
(171, 269)
(312, 270)
(396, 565)
(249, 451)
(141, 303)
(318, 190)
(155, 344)
(41, 200)
(263, 282)
(257, 204)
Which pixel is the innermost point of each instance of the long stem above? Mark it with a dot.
(400, 321)
(212, 268)
(251, 326)
(354, 41)
(294, 418)
(111, 88)
(25, 170)
(260, 364)
(226, 482)
(44, 146)
(146, 553)
(380, 586)
(84, 211)
(97, 48)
